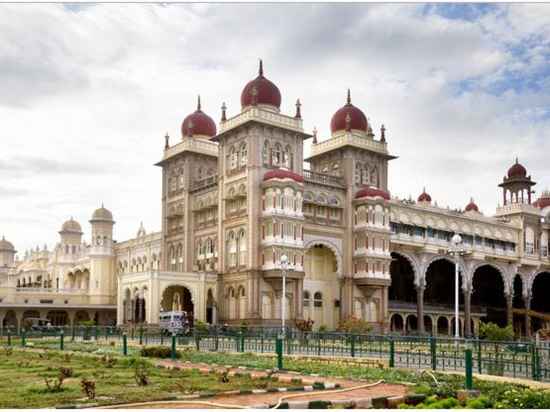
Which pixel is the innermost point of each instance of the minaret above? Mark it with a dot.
(102, 281)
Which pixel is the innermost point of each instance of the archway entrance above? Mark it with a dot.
(322, 283)
(540, 302)
(402, 289)
(10, 320)
(396, 323)
(210, 309)
(178, 298)
(488, 295)
(58, 317)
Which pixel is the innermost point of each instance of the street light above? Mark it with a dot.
(284, 267)
(456, 251)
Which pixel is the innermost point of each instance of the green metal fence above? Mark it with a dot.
(515, 359)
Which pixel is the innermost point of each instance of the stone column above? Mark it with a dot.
(420, 308)
(527, 316)
(510, 309)
(467, 312)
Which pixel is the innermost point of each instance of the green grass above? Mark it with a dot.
(22, 384)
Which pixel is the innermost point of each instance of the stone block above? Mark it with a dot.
(380, 402)
(395, 401)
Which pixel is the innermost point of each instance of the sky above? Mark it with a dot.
(89, 91)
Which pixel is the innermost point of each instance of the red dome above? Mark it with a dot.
(471, 206)
(424, 197)
(543, 201)
(369, 191)
(283, 174)
(198, 123)
(261, 91)
(517, 171)
(349, 113)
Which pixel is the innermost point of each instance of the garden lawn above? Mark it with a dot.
(23, 386)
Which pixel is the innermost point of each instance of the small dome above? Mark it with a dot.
(102, 214)
(283, 174)
(72, 226)
(543, 201)
(198, 123)
(6, 246)
(424, 197)
(349, 117)
(370, 191)
(517, 171)
(471, 207)
(261, 91)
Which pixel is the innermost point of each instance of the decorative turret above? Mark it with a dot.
(198, 124)
(516, 186)
(7, 253)
(424, 197)
(102, 230)
(349, 118)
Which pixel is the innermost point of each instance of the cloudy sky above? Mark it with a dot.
(88, 92)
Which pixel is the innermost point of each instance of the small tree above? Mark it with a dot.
(492, 332)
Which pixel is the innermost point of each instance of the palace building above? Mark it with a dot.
(236, 197)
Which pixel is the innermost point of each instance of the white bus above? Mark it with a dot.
(174, 322)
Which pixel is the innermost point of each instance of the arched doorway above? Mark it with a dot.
(321, 278)
(81, 316)
(488, 295)
(443, 326)
(402, 288)
(178, 298)
(210, 307)
(540, 302)
(412, 324)
(428, 324)
(396, 323)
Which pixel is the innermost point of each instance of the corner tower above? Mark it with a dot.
(260, 192)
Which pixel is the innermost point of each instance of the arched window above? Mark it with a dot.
(242, 248)
(276, 155)
(265, 153)
(306, 298)
(243, 155)
(287, 157)
(231, 249)
(318, 300)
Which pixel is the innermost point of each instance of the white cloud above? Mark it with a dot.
(91, 92)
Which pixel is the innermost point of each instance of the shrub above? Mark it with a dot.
(304, 325)
(479, 403)
(354, 325)
(224, 377)
(141, 371)
(56, 385)
(157, 352)
(108, 361)
(201, 327)
(491, 331)
(88, 387)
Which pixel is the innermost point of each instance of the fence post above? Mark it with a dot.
(216, 343)
(124, 344)
(535, 363)
(23, 338)
(279, 351)
(392, 353)
(61, 340)
(9, 337)
(72, 332)
(352, 346)
(141, 335)
(242, 341)
(173, 351)
(479, 362)
(161, 337)
(433, 350)
(468, 364)
(197, 342)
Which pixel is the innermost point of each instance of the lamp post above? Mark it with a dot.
(284, 267)
(456, 241)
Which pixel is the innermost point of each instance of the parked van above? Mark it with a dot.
(38, 324)
(174, 322)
